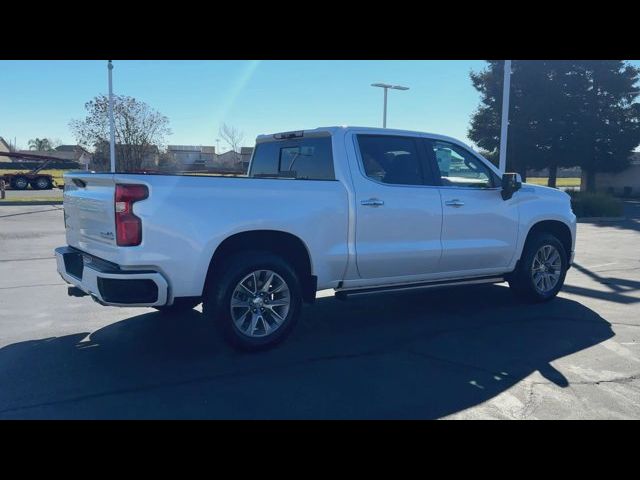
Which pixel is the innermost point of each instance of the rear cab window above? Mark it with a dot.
(299, 159)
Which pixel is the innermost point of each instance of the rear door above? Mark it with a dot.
(479, 228)
(398, 215)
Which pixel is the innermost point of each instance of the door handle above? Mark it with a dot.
(372, 202)
(454, 203)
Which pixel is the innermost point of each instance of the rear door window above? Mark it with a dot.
(391, 159)
(302, 159)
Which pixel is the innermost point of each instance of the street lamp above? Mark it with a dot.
(386, 87)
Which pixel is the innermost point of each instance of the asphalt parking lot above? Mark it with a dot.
(458, 353)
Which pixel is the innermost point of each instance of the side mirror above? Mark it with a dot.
(511, 183)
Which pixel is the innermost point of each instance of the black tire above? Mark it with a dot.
(41, 183)
(180, 305)
(19, 183)
(522, 279)
(220, 287)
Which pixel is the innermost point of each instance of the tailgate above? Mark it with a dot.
(89, 212)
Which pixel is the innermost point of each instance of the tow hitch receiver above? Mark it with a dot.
(76, 292)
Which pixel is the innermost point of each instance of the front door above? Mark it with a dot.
(479, 228)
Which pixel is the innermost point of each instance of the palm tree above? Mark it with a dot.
(40, 144)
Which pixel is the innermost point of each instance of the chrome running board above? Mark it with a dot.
(352, 292)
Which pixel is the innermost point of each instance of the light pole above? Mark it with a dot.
(112, 143)
(386, 87)
(504, 127)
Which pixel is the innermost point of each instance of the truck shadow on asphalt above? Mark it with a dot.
(420, 355)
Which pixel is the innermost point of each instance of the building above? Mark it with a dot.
(626, 182)
(233, 161)
(68, 153)
(5, 148)
(75, 153)
(191, 157)
(245, 157)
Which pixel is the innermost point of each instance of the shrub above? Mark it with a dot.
(595, 205)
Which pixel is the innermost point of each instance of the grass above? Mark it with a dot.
(56, 174)
(27, 200)
(560, 182)
(586, 204)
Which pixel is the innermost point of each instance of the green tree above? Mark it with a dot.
(555, 117)
(139, 131)
(41, 144)
(609, 130)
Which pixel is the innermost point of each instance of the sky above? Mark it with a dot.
(39, 98)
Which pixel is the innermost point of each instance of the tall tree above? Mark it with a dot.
(41, 144)
(555, 117)
(610, 130)
(139, 130)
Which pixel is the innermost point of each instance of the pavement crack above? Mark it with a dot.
(618, 380)
(29, 213)
(25, 259)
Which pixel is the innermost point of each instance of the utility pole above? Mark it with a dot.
(112, 143)
(504, 127)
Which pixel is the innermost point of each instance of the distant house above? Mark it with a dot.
(75, 153)
(245, 157)
(69, 153)
(626, 182)
(5, 147)
(191, 157)
(237, 161)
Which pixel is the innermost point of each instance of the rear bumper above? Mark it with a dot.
(107, 283)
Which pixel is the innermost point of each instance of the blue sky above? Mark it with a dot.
(39, 98)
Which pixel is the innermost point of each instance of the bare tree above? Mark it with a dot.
(139, 130)
(231, 136)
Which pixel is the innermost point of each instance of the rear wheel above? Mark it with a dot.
(41, 183)
(255, 300)
(19, 183)
(541, 270)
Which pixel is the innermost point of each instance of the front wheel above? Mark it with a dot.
(541, 270)
(255, 299)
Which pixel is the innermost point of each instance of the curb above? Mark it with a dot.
(26, 204)
(600, 219)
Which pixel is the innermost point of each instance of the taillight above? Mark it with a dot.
(128, 226)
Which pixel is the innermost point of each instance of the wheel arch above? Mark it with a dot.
(559, 229)
(284, 244)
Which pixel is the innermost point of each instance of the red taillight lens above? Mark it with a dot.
(128, 226)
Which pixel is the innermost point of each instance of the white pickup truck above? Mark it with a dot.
(357, 210)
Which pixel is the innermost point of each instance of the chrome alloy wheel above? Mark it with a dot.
(546, 268)
(260, 303)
